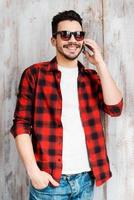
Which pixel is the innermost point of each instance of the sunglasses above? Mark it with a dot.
(66, 35)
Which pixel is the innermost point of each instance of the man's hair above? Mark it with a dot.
(65, 15)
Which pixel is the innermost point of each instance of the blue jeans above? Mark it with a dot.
(72, 187)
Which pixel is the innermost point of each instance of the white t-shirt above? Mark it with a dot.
(74, 155)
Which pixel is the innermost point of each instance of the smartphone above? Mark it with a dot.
(87, 48)
(83, 48)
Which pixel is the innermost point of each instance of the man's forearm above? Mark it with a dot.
(111, 94)
(25, 149)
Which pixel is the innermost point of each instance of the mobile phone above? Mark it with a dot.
(88, 49)
(83, 48)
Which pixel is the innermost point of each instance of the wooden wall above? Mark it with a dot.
(25, 31)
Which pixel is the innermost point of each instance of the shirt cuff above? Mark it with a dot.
(20, 129)
(114, 110)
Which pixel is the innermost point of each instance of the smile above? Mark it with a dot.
(72, 46)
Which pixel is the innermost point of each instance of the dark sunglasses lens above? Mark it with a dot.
(65, 35)
(79, 35)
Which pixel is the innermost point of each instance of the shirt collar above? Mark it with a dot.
(54, 65)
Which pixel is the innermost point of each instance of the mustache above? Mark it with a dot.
(72, 44)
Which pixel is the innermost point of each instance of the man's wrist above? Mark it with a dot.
(31, 170)
(101, 68)
(100, 63)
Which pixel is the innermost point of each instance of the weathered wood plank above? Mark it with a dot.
(25, 32)
(119, 51)
(12, 184)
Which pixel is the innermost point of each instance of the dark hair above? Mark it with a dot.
(65, 15)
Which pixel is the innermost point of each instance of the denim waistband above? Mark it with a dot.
(70, 176)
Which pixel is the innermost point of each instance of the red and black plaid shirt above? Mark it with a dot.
(38, 113)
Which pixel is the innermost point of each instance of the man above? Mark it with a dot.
(58, 108)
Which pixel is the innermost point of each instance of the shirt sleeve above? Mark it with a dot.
(112, 110)
(22, 121)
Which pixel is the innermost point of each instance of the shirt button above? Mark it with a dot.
(59, 159)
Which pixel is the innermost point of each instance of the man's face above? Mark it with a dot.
(72, 48)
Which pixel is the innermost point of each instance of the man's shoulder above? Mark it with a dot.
(89, 71)
(44, 65)
(34, 69)
(92, 73)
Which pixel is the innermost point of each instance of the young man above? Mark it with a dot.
(57, 125)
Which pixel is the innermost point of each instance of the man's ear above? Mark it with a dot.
(53, 41)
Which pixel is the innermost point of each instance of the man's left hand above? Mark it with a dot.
(95, 56)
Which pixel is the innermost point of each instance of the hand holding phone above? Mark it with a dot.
(87, 48)
(92, 51)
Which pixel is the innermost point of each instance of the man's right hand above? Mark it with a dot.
(41, 179)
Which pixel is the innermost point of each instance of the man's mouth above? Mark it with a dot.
(71, 47)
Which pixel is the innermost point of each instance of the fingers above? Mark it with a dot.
(55, 183)
(92, 45)
(42, 179)
(86, 53)
(39, 184)
(89, 41)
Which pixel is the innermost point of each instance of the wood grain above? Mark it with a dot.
(119, 51)
(25, 34)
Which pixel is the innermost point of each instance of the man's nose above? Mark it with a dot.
(72, 39)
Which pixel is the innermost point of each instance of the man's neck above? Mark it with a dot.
(65, 62)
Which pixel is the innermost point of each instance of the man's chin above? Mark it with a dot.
(71, 57)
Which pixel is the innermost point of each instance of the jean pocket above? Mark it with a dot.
(39, 190)
(87, 180)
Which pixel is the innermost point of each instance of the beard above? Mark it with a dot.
(67, 55)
